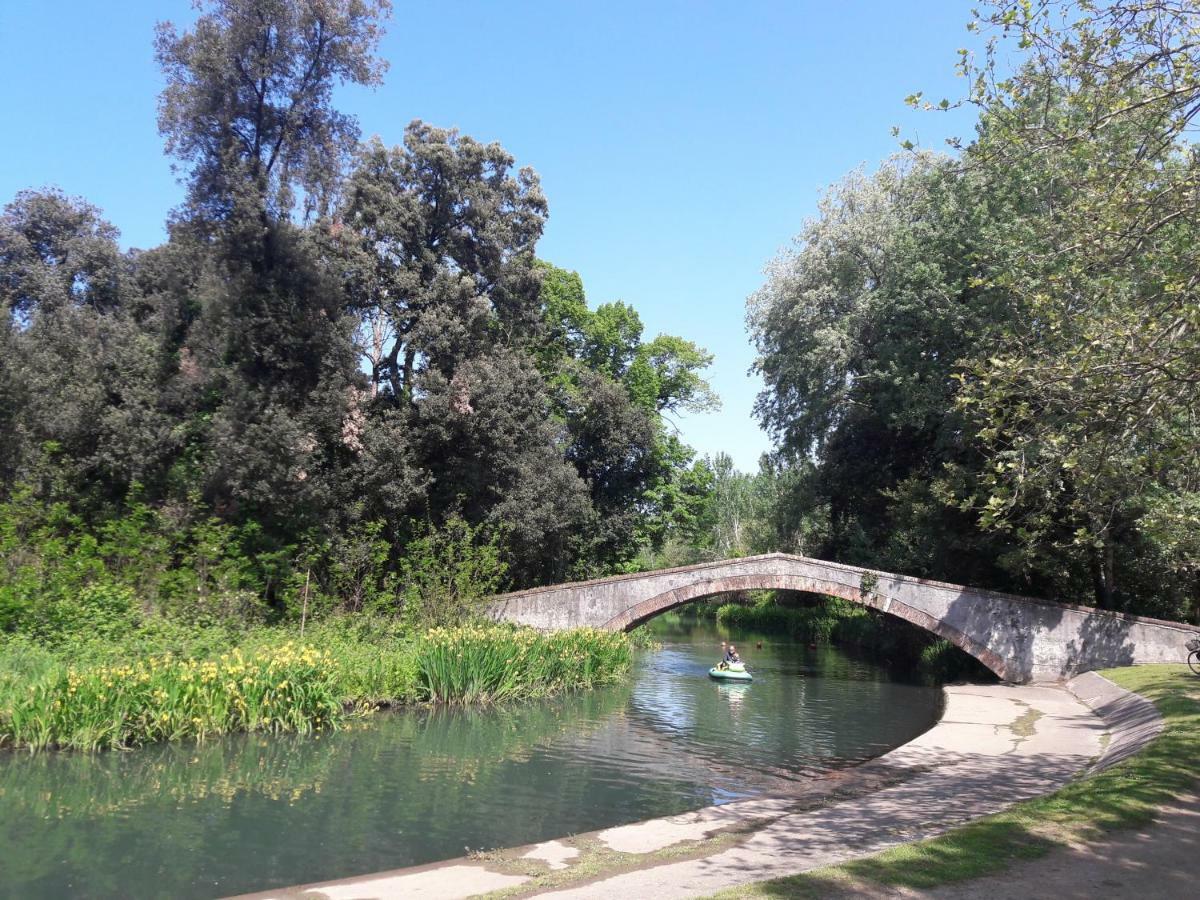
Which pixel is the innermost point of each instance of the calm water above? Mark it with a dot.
(250, 813)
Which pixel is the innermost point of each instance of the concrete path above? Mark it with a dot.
(995, 745)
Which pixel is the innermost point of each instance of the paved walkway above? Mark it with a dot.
(995, 745)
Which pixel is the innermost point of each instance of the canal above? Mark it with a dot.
(250, 813)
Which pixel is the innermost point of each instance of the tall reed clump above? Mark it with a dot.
(489, 663)
(49, 702)
(292, 687)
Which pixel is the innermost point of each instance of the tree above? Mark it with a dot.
(612, 393)
(440, 234)
(57, 251)
(665, 376)
(486, 436)
(859, 330)
(248, 102)
(264, 373)
(1086, 409)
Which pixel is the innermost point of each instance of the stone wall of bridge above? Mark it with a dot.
(1021, 639)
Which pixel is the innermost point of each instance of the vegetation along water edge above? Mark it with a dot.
(833, 620)
(274, 682)
(1128, 795)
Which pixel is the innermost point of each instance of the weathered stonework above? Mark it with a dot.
(1021, 639)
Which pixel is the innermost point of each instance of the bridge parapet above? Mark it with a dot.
(1021, 639)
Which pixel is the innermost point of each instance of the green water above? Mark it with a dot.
(250, 813)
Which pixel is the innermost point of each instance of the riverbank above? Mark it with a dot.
(995, 745)
(106, 695)
(1128, 795)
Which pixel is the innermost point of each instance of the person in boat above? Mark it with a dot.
(731, 655)
(727, 655)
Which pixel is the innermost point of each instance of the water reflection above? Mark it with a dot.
(249, 813)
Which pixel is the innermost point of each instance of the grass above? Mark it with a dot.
(1124, 796)
(474, 664)
(92, 697)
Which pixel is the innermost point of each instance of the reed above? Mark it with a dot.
(290, 688)
(274, 685)
(492, 663)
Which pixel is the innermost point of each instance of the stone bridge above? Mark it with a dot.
(1021, 639)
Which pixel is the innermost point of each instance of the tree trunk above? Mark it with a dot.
(1102, 575)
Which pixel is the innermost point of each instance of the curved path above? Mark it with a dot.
(995, 745)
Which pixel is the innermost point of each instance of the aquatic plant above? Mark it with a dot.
(488, 663)
(274, 684)
(290, 688)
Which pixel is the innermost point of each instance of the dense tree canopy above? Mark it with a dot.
(341, 350)
(991, 359)
(248, 105)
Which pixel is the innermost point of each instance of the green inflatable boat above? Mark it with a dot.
(731, 672)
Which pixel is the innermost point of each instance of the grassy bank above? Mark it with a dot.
(1124, 796)
(837, 621)
(113, 694)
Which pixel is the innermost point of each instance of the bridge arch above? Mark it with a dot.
(673, 599)
(1021, 639)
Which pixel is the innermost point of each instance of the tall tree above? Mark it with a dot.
(1087, 409)
(859, 330)
(440, 235)
(247, 105)
(265, 365)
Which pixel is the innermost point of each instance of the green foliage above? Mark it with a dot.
(60, 577)
(446, 572)
(612, 393)
(269, 682)
(247, 100)
(337, 341)
(351, 571)
(990, 361)
(837, 621)
(667, 376)
(1087, 420)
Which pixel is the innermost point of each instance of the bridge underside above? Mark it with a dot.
(661, 603)
(1021, 639)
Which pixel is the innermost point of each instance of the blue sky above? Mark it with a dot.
(681, 144)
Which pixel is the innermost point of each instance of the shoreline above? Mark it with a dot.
(993, 746)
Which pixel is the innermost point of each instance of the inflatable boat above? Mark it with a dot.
(731, 672)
